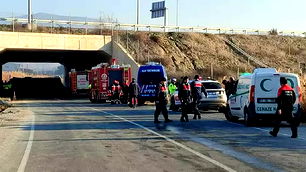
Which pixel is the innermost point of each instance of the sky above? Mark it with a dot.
(253, 14)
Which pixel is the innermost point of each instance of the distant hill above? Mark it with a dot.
(47, 16)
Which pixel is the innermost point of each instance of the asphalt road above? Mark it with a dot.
(80, 136)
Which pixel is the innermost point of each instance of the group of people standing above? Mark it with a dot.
(125, 93)
(189, 93)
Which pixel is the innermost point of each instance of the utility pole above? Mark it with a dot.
(166, 18)
(13, 23)
(138, 12)
(177, 12)
(30, 14)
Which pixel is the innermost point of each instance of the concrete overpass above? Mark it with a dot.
(78, 52)
(26, 40)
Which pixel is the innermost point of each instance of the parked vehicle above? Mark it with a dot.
(79, 82)
(216, 97)
(102, 77)
(149, 76)
(256, 94)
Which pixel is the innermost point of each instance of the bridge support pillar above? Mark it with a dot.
(1, 74)
(66, 76)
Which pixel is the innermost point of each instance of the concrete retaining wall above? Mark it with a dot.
(125, 58)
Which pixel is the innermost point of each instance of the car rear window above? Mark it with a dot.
(212, 85)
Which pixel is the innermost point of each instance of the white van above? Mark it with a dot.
(256, 95)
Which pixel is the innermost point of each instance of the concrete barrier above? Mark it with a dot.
(125, 58)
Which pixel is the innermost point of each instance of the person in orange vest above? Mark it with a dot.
(161, 101)
(116, 91)
(185, 98)
(197, 88)
(285, 100)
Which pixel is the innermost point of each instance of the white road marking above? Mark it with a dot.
(174, 142)
(26, 154)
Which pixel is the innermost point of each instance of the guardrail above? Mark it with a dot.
(149, 28)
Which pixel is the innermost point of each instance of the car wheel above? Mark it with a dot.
(228, 115)
(222, 109)
(248, 120)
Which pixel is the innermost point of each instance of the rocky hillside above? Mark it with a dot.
(189, 53)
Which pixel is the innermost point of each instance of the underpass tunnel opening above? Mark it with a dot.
(34, 70)
(33, 80)
(44, 74)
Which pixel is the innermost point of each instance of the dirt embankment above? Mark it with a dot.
(283, 53)
(189, 53)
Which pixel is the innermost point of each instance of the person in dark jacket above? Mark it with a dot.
(161, 101)
(197, 88)
(226, 88)
(232, 86)
(125, 91)
(285, 100)
(185, 98)
(133, 93)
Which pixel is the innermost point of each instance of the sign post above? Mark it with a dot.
(159, 10)
(30, 14)
(166, 20)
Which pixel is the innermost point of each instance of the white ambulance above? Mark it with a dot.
(256, 94)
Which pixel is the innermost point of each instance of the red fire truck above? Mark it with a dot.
(79, 82)
(102, 77)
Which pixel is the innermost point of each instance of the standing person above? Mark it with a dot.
(172, 88)
(161, 101)
(133, 93)
(125, 91)
(185, 97)
(197, 88)
(226, 88)
(231, 86)
(116, 91)
(285, 100)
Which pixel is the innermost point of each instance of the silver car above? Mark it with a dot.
(216, 97)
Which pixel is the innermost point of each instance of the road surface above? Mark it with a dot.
(76, 135)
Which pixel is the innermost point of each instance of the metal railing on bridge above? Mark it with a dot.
(86, 25)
